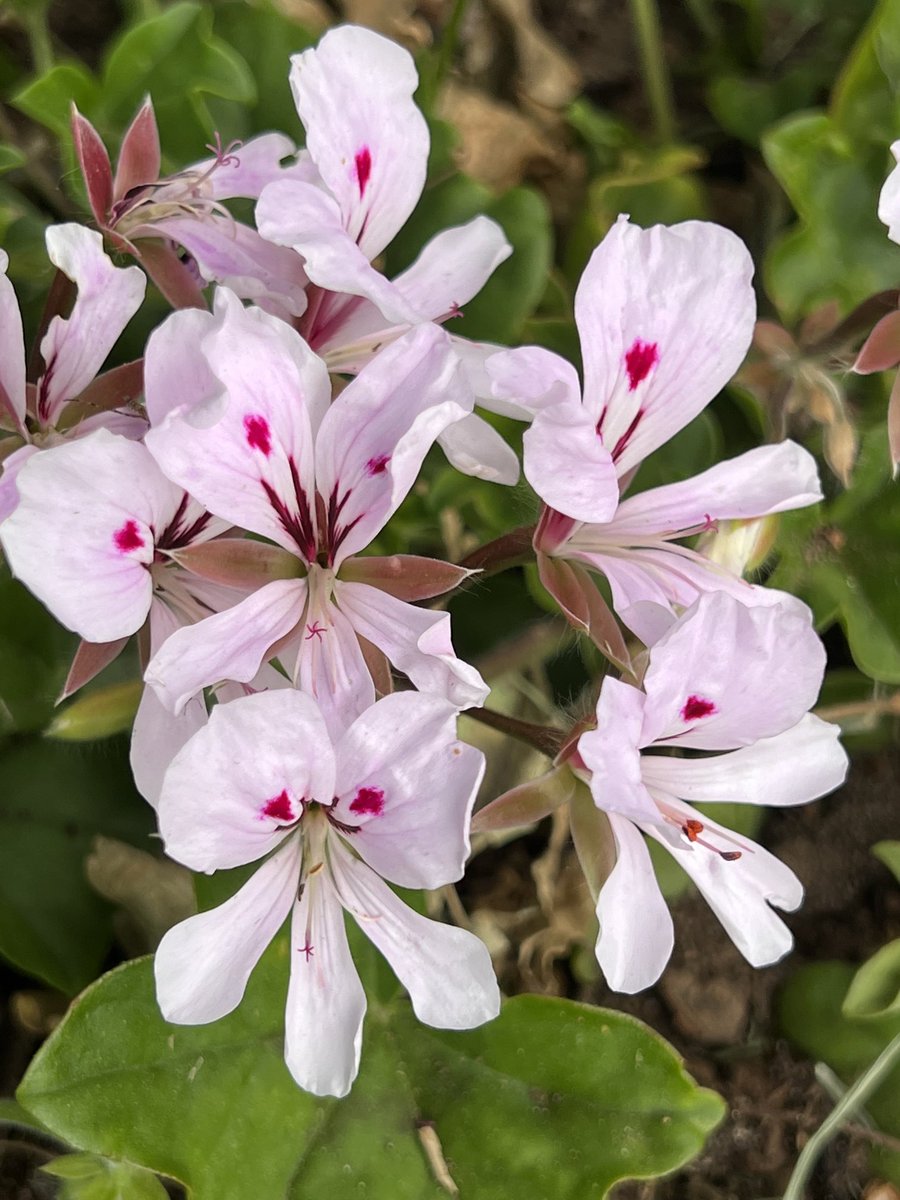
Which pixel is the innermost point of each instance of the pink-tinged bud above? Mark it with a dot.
(95, 167)
(553, 530)
(239, 562)
(881, 349)
(139, 157)
(577, 595)
(740, 546)
(102, 713)
(406, 576)
(527, 803)
(90, 659)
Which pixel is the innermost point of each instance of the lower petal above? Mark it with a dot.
(476, 448)
(326, 1002)
(203, 964)
(447, 971)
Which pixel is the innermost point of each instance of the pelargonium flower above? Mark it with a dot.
(724, 678)
(390, 799)
(665, 317)
(97, 535)
(74, 349)
(367, 147)
(148, 216)
(250, 431)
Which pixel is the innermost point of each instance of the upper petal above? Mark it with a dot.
(611, 752)
(75, 348)
(453, 267)
(665, 317)
(241, 782)
(375, 435)
(568, 465)
(726, 675)
(408, 784)
(354, 95)
(82, 536)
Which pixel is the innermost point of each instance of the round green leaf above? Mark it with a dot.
(875, 989)
(551, 1099)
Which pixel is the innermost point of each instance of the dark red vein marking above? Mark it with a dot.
(128, 537)
(639, 361)
(363, 162)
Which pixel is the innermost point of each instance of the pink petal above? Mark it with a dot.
(889, 201)
(611, 752)
(234, 255)
(793, 767)
(769, 479)
(726, 675)
(476, 448)
(227, 645)
(453, 267)
(533, 378)
(177, 373)
(415, 836)
(247, 454)
(157, 737)
(416, 640)
(253, 164)
(74, 349)
(375, 435)
(238, 787)
(309, 220)
(203, 964)
(330, 664)
(666, 316)
(326, 1002)
(82, 536)
(740, 892)
(12, 352)
(9, 473)
(446, 971)
(636, 932)
(364, 132)
(568, 465)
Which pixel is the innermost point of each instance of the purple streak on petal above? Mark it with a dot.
(368, 801)
(626, 436)
(297, 524)
(378, 464)
(259, 436)
(128, 537)
(639, 360)
(363, 169)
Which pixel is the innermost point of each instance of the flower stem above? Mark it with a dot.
(645, 16)
(449, 38)
(548, 741)
(510, 550)
(853, 1099)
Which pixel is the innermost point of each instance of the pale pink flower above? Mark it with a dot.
(665, 317)
(265, 449)
(390, 799)
(724, 678)
(367, 147)
(74, 348)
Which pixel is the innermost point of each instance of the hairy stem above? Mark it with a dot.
(548, 741)
(510, 550)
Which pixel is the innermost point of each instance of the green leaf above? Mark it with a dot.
(54, 799)
(177, 59)
(811, 1015)
(11, 157)
(514, 291)
(889, 853)
(89, 1177)
(49, 98)
(35, 652)
(552, 1098)
(875, 990)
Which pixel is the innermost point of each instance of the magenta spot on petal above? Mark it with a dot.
(258, 434)
(696, 707)
(378, 465)
(279, 808)
(128, 537)
(639, 360)
(368, 801)
(363, 169)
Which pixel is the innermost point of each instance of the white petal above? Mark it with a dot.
(176, 371)
(228, 645)
(636, 932)
(568, 465)
(239, 785)
(330, 665)
(416, 640)
(793, 767)
(453, 267)
(12, 350)
(476, 448)
(203, 964)
(157, 737)
(412, 832)
(446, 971)
(326, 1002)
(612, 754)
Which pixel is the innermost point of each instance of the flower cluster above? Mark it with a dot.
(220, 497)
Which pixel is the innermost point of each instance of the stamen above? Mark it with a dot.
(224, 157)
(314, 631)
